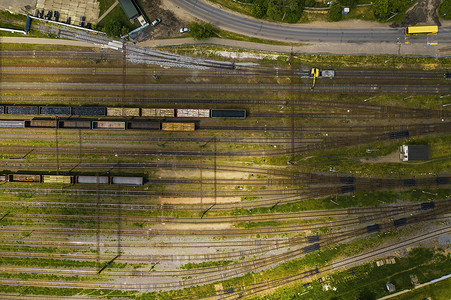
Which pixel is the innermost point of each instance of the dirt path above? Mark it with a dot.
(424, 12)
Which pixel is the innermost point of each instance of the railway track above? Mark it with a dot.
(244, 268)
(252, 289)
(304, 102)
(146, 71)
(354, 88)
(377, 134)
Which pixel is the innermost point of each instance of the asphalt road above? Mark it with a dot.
(294, 33)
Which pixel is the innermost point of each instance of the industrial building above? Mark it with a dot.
(414, 152)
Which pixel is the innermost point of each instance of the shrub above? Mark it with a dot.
(259, 8)
(274, 11)
(445, 10)
(310, 3)
(114, 28)
(334, 14)
(201, 31)
(348, 3)
(383, 9)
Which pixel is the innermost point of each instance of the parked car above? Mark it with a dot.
(156, 22)
(184, 30)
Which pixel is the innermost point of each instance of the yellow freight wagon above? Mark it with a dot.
(170, 126)
(57, 179)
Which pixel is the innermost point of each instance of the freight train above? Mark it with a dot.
(65, 179)
(100, 125)
(116, 112)
(66, 111)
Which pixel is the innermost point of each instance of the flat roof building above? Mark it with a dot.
(414, 152)
(129, 8)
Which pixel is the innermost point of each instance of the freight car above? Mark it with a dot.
(124, 112)
(171, 126)
(41, 123)
(108, 125)
(229, 113)
(55, 110)
(82, 179)
(22, 110)
(193, 113)
(101, 125)
(12, 124)
(158, 112)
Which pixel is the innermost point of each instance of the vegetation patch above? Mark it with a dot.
(445, 10)
(206, 264)
(368, 281)
(116, 23)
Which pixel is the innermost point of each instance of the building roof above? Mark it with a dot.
(390, 287)
(129, 8)
(418, 152)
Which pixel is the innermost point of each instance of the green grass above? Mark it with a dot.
(426, 264)
(239, 37)
(104, 5)
(438, 291)
(31, 290)
(117, 14)
(45, 262)
(206, 264)
(300, 61)
(33, 276)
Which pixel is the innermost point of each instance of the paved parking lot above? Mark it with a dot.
(18, 6)
(72, 8)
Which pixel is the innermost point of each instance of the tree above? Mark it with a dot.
(445, 10)
(348, 3)
(113, 28)
(293, 5)
(274, 11)
(334, 14)
(259, 8)
(201, 31)
(310, 3)
(366, 294)
(382, 9)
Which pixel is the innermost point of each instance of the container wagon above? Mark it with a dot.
(171, 126)
(92, 179)
(2, 109)
(122, 112)
(193, 113)
(62, 179)
(158, 112)
(12, 124)
(75, 124)
(55, 110)
(127, 180)
(24, 178)
(43, 123)
(22, 110)
(108, 125)
(229, 113)
(88, 111)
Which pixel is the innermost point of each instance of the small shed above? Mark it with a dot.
(414, 152)
(129, 8)
(390, 287)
